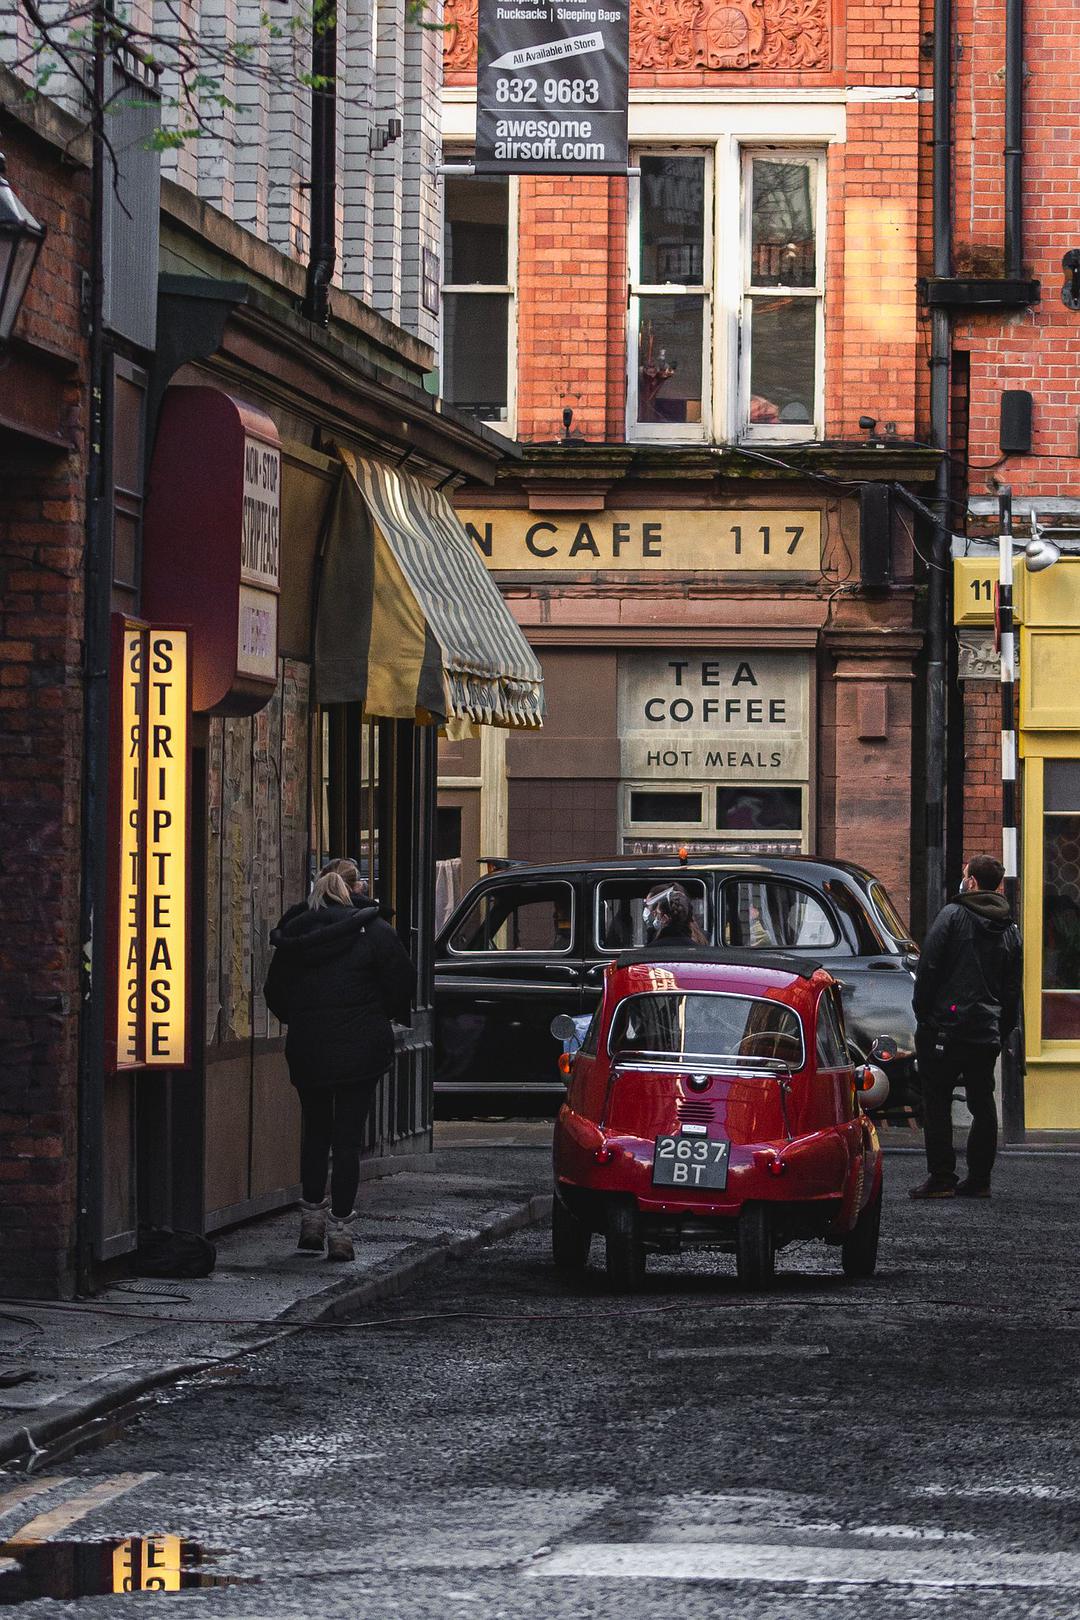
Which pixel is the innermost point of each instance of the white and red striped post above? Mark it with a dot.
(1012, 1076)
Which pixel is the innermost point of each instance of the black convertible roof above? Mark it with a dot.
(731, 956)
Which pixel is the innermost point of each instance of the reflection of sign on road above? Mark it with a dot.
(150, 1564)
(714, 715)
(150, 862)
(766, 541)
(552, 87)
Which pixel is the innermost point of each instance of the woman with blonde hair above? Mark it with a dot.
(338, 976)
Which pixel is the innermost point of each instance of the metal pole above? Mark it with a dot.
(1014, 138)
(937, 592)
(1012, 1079)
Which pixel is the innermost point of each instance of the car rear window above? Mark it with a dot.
(771, 914)
(706, 1024)
(620, 925)
(888, 913)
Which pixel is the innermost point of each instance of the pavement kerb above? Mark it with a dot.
(63, 1419)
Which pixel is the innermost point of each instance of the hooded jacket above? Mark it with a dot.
(339, 974)
(968, 979)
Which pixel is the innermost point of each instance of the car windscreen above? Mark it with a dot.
(678, 1023)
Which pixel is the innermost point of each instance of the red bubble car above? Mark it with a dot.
(714, 1103)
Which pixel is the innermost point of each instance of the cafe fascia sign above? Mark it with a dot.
(212, 553)
(150, 810)
(707, 715)
(761, 541)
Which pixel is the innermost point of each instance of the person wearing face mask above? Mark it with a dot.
(669, 917)
(967, 1003)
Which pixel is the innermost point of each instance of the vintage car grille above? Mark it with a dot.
(695, 1110)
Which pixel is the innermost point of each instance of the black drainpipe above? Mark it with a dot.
(320, 270)
(1014, 138)
(937, 605)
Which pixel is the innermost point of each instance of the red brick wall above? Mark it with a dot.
(1038, 348)
(982, 768)
(41, 539)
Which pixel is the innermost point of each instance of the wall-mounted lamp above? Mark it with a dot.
(20, 243)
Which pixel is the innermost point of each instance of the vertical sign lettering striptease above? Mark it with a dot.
(148, 924)
(552, 86)
(165, 936)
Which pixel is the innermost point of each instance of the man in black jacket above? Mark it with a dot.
(967, 1002)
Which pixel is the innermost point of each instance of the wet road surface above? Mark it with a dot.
(500, 1443)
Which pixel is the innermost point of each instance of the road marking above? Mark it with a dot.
(49, 1526)
(820, 1566)
(31, 1487)
(715, 1352)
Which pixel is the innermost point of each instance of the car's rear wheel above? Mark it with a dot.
(755, 1246)
(858, 1252)
(625, 1248)
(570, 1238)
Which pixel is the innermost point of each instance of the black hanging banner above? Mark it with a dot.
(551, 87)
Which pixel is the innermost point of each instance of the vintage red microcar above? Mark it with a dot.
(714, 1103)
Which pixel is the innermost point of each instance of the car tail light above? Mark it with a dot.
(566, 1063)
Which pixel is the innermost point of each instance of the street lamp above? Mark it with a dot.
(20, 243)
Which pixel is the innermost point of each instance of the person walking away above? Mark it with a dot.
(670, 916)
(967, 1003)
(338, 976)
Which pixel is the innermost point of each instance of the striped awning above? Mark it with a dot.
(409, 622)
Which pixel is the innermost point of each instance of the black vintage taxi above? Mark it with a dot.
(528, 942)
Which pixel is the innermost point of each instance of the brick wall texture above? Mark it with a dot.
(41, 605)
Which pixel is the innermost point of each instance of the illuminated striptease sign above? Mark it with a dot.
(151, 788)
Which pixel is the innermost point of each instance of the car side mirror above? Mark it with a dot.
(564, 1027)
(872, 1084)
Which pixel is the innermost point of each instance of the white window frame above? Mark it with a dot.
(680, 432)
(508, 288)
(728, 295)
(780, 432)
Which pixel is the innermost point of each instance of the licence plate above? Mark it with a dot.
(690, 1161)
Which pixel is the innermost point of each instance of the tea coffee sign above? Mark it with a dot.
(714, 716)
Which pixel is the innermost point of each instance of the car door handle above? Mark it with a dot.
(564, 970)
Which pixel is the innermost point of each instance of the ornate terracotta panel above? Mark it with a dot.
(686, 36)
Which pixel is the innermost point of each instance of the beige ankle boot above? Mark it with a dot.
(312, 1238)
(339, 1241)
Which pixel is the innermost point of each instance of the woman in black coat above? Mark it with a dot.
(670, 917)
(339, 974)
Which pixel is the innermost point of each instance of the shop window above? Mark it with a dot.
(762, 914)
(478, 295)
(655, 805)
(726, 293)
(620, 923)
(348, 804)
(751, 808)
(537, 917)
(1061, 901)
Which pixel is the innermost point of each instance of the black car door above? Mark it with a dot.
(509, 960)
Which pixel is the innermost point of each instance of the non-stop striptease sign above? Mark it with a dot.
(552, 85)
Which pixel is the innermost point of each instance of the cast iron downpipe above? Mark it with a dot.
(1014, 139)
(937, 604)
(323, 255)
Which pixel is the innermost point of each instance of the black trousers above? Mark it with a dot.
(940, 1072)
(333, 1124)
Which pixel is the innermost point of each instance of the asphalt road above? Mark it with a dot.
(500, 1444)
